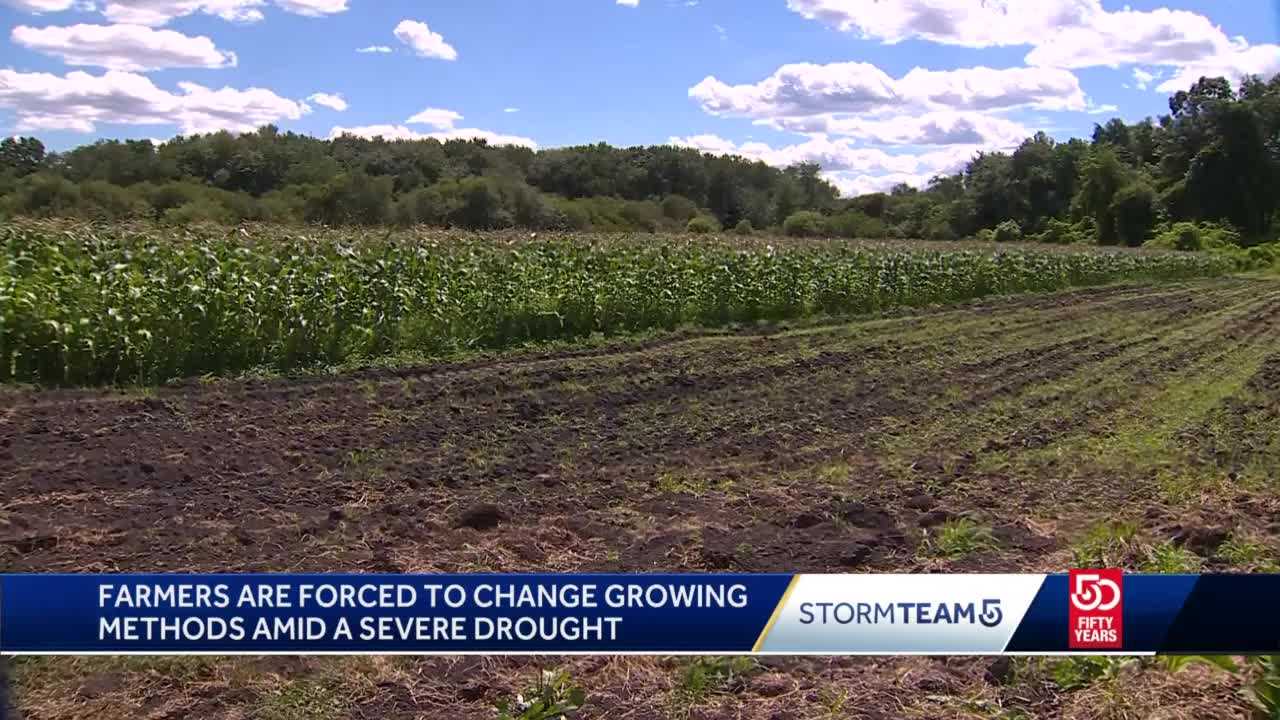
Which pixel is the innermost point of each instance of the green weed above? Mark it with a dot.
(1080, 672)
(959, 538)
(555, 696)
(300, 700)
(1108, 544)
(1245, 554)
(1170, 558)
(706, 675)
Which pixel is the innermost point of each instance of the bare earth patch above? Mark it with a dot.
(1131, 424)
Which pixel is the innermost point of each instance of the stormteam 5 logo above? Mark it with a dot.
(1096, 610)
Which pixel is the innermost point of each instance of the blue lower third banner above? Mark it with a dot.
(1084, 611)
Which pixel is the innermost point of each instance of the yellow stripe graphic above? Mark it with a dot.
(777, 611)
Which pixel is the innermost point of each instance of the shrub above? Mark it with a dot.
(1193, 237)
(196, 212)
(703, 225)
(1061, 232)
(286, 206)
(575, 216)
(805, 223)
(1008, 231)
(744, 228)
(1264, 256)
(857, 224)
(1187, 237)
(351, 198)
(1135, 212)
(985, 235)
(679, 208)
(100, 200)
(46, 195)
(643, 215)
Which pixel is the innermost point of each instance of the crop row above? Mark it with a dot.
(86, 305)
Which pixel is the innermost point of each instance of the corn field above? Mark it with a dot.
(88, 304)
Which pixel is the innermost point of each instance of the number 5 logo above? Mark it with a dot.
(1095, 593)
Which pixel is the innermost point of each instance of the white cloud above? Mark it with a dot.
(1062, 33)
(1261, 60)
(79, 101)
(374, 49)
(332, 101)
(854, 170)
(1142, 78)
(123, 47)
(972, 23)
(424, 41)
(834, 155)
(1158, 37)
(511, 110)
(400, 132)
(983, 88)
(805, 89)
(444, 123)
(42, 6)
(629, 3)
(436, 118)
(313, 8)
(854, 184)
(159, 12)
(934, 128)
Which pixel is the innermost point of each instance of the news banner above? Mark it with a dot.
(1083, 611)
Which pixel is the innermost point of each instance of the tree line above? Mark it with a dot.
(1213, 161)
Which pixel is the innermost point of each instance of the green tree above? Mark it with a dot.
(21, 156)
(1135, 213)
(1102, 174)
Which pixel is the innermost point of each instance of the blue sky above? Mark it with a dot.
(782, 80)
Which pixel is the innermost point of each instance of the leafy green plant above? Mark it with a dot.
(705, 675)
(1170, 558)
(1243, 553)
(960, 537)
(1264, 692)
(1008, 231)
(1078, 672)
(1261, 673)
(703, 225)
(1061, 232)
(82, 305)
(1108, 544)
(554, 697)
(805, 223)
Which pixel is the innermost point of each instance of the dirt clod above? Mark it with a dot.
(771, 684)
(485, 516)
(1202, 541)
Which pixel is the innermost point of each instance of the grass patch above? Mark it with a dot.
(705, 676)
(1107, 544)
(1169, 559)
(685, 483)
(1248, 555)
(300, 699)
(960, 538)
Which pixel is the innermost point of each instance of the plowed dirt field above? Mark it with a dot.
(1132, 425)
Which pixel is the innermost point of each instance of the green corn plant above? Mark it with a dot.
(1261, 673)
(84, 305)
